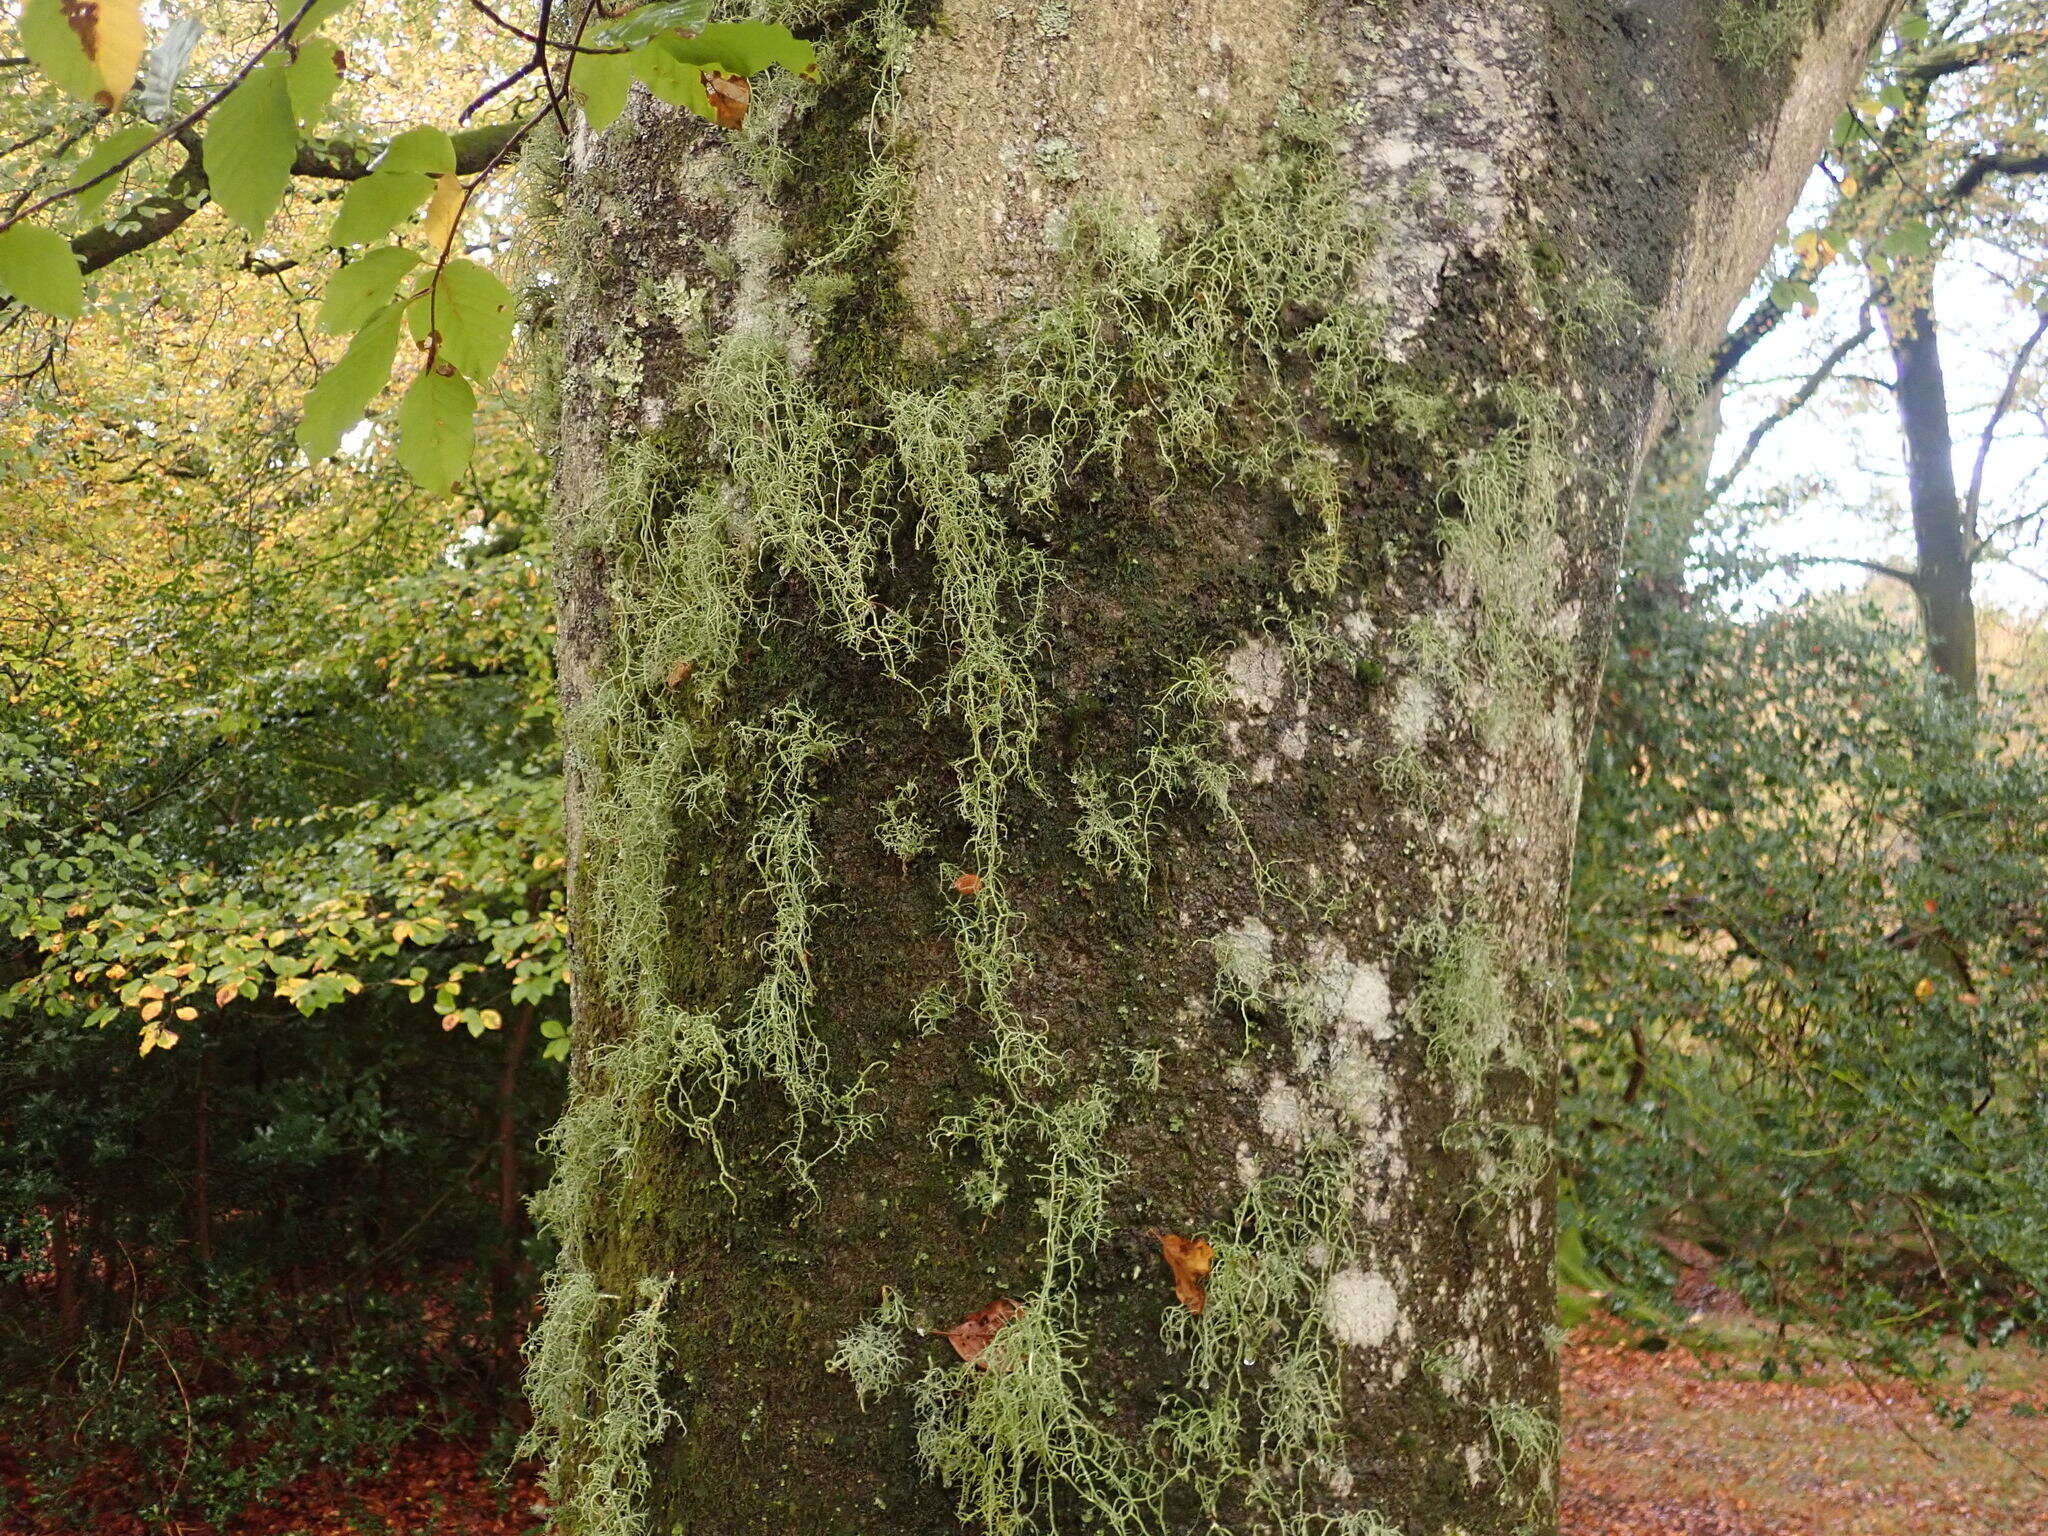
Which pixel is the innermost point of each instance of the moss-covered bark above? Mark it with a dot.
(1078, 621)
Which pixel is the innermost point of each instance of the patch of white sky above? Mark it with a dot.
(1829, 484)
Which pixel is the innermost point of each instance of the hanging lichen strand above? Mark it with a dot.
(1235, 351)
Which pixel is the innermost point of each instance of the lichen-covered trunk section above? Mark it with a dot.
(1084, 543)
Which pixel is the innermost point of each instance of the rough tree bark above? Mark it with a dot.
(1085, 541)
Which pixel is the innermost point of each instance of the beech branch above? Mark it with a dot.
(1792, 406)
(161, 215)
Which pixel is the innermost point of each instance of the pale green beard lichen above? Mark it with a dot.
(599, 1411)
(1465, 1012)
(1523, 1436)
(872, 1357)
(1120, 815)
(1501, 550)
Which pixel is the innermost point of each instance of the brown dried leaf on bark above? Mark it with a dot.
(973, 1334)
(730, 96)
(1190, 1259)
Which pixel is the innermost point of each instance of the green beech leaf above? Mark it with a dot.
(743, 48)
(339, 397)
(429, 150)
(1911, 239)
(251, 140)
(436, 427)
(312, 78)
(363, 287)
(638, 26)
(600, 82)
(318, 16)
(673, 81)
(114, 148)
(472, 311)
(37, 267)
(377, 204)
(54, 48)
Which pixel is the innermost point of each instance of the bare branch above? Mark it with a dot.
(2006, 397)
(1878, 567)
(1938, 63)
(2002, 163)
(1793, 405)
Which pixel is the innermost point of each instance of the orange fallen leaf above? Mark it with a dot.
(680, 673)
(1924, 988)
(973, 1334)
(967, 884)
(1190, 1259)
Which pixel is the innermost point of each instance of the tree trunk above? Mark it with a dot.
(1942, 565)
(1085, 543)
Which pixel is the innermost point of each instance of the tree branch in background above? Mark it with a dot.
(1792, 405)
(1995, 164)
(1938, 63)
(2005, 399)
(1735, 346)
(1877, 567)
(154, 218)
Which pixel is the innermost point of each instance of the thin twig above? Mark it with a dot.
(2005, 400)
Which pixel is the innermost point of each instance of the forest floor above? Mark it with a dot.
(1693, 1442)
(1673, 1441)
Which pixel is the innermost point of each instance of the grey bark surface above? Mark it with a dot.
(1942, 569)
(1311, 1014)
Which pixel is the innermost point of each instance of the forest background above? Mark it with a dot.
(282, 972)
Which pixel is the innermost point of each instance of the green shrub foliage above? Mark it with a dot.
(1812, 967)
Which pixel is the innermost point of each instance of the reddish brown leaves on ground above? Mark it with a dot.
(433, 1488)
(973, 1334)
(1674, 1443)
(1190, 1259)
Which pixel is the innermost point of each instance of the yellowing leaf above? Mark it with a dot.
(226, 993)
(442, 211)
(1924, 988)
(89, 47)
(188, 1014)
(151, 1009)
(115, 44)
